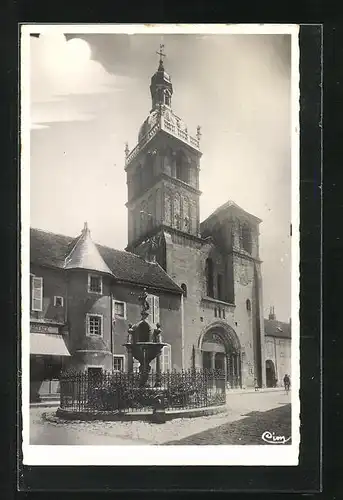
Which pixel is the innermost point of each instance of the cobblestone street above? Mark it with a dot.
(247, 431)
(246, 417)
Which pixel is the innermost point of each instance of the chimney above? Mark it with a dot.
(272, 313)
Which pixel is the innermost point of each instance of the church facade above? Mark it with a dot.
(203, 278)
(215, 262)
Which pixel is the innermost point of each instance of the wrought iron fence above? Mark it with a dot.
(120, 391)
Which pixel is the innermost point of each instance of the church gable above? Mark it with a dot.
(233, 229)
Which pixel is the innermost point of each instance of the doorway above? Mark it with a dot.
(270, 374)
(206, 360)
(220, 361)
(221, 351)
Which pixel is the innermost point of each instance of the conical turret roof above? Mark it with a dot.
(85, 255)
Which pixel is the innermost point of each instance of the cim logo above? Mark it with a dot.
(272, 438)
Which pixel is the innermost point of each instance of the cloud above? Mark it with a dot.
(61, 71)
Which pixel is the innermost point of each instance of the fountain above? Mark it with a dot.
(144, 343)
(121, 396)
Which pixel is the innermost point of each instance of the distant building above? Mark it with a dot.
(278, 336)
(204, 279)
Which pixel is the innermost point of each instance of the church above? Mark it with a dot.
(203, 278)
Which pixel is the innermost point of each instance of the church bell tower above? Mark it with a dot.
(162, 176)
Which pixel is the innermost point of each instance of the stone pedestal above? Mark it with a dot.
(159, 414)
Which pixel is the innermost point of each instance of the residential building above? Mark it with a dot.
(278, 353)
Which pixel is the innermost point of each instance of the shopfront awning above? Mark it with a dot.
(48, 345)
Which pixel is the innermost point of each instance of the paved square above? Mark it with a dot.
(46, 429)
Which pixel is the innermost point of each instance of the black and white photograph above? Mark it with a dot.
(160, 244)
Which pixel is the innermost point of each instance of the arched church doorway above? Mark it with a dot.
(270, 374)
(220, 350)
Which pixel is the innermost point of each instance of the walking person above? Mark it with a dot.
(256, 384)
(286, 382)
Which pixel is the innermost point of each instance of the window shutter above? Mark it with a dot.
(162, 360)
(150, 318)
(166, 358)
(37, 294)
(156, 309)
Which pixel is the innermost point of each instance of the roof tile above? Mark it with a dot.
(85, 255)
(275, 328)
(49, 249)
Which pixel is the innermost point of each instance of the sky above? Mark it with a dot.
(90, 94)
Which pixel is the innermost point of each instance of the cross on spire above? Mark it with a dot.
(161, 53)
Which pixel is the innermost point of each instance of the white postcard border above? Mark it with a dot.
(273, 455)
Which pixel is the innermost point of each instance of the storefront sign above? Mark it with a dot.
(39, 328)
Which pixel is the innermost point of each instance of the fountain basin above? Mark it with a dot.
(145, 352)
